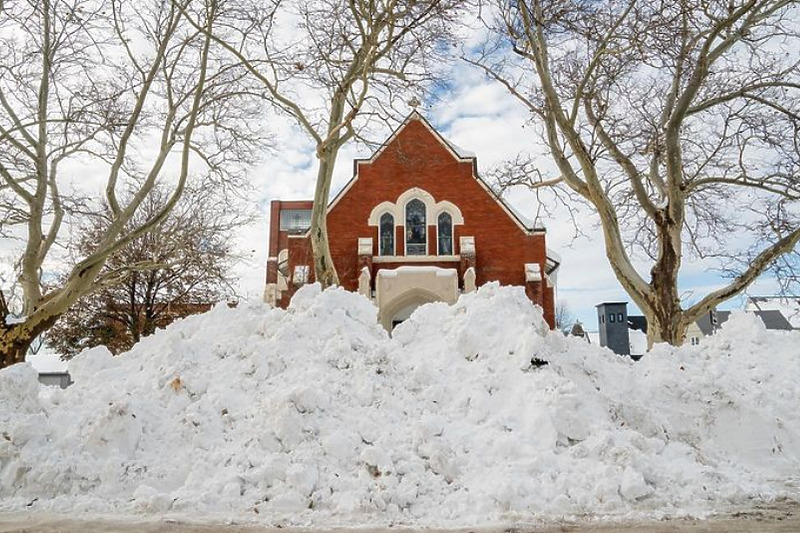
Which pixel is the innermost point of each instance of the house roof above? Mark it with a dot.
(772, 320)
(638, 323)
(611, 303)
(462, 153)
(577, 329)
(789, 306)
(705, 325)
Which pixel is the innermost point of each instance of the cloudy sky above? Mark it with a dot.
(474, 113)
(478, 116)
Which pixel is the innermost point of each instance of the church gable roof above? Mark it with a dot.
(458, 154)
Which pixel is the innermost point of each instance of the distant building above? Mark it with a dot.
(709, 323)
(627, 334)
(612, 323)
(578, 331)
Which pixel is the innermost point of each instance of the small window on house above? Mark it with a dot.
(619, 317)
(695, 341)
(602, 319)
(295, 220)
(445, 234)
(386, 240)
(416, 228)
(611, 317)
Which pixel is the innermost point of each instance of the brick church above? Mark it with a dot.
(415, 224)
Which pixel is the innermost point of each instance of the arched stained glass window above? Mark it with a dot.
(445, 234)
(416, 228)
(386, 235)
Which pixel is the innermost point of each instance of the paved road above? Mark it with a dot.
(781, 517)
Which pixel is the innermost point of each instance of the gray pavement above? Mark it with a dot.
(778, 517)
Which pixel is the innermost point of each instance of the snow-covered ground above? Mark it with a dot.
(314, 416)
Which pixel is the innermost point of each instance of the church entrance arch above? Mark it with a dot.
(403, 307)
(401, 291)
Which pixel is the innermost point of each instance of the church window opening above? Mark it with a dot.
(416, 228)
(295, 220)
(386, 241)
(445, 234)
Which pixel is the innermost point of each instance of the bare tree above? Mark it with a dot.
(564, 317)
(333, 67)
(186, 267)
(679, 122)
(124, 88)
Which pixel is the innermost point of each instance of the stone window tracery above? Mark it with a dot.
(416, 228)
(386, 236)
(417, 213)
(445, 234)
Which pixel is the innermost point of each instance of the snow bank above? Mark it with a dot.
(314, 416)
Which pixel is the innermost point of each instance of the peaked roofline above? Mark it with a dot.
(416, 115)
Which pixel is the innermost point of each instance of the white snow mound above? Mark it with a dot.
(314, 416)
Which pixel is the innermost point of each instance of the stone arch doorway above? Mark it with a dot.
(400, 291)
(404, 305)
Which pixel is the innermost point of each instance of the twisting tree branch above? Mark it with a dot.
(679, 124)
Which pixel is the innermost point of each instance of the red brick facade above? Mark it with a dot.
(417, 159)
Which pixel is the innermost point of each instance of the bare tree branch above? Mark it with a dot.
(682, 130)
(93, 100)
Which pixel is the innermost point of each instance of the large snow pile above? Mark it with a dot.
(314, 415)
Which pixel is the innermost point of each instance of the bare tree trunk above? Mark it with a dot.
(133, 311)
(17, 338)
(324, 269)
(665, 320)
(327, 151)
